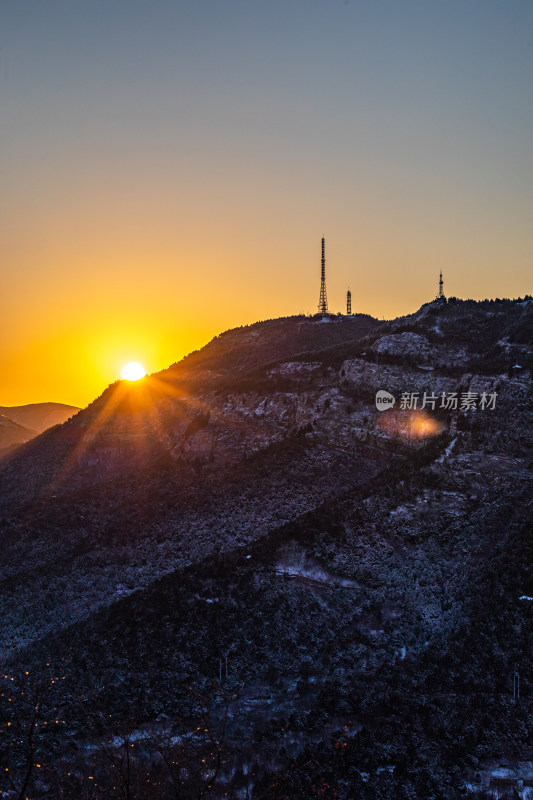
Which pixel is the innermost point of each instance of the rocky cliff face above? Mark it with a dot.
(253, 500)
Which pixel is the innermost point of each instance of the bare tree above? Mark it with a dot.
(118, 754)
(19, 698)
(193, 759)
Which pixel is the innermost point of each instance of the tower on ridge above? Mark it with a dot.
(323, 301)
(349, 302)
(440, 295)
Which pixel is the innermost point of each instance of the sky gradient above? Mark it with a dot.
(167, 169)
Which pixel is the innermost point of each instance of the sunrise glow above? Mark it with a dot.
(133, 371)
(116, 172)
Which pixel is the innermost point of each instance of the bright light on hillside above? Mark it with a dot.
(133, 371)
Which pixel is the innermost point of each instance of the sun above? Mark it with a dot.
(133, 371)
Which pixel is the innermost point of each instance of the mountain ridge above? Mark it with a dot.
(12, 434)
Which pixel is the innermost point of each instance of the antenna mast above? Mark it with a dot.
(440, 295)
(323, 301)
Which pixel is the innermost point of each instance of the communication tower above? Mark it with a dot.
(323, 301)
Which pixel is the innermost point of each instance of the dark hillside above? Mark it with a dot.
(241, 579)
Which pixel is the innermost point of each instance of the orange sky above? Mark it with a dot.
(168, 176)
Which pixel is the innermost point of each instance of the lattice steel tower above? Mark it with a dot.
(349, 302)
(440, 295)
(323, 302)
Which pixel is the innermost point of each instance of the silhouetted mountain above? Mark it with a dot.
(241, 579)
(39, 416)
(12, 434)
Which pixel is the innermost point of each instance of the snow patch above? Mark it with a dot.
(447, 452)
